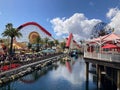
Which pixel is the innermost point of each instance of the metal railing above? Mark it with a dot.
(112, 57)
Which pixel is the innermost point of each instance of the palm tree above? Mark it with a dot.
(38, 40)
(12, 33)
(41, 43)
(51, 44)
(56, 42)
(62, 44)
(29, 45)
(46, 41)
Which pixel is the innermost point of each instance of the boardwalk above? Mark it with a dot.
(106, 59)
(107, 68)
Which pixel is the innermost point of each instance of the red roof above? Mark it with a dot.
(106, 38)
(110, 46)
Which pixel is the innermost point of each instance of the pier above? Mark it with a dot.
(107, 69)
(104, 53)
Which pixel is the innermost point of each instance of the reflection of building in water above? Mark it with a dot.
(59, 77)
(33, 77)
(68, 66)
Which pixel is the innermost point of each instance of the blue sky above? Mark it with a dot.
(44, 12)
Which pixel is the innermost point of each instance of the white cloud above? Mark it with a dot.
(77, 24)
(112, 12)
(114, 15)
(75, 76)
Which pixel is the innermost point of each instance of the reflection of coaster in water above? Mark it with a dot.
(33, 36)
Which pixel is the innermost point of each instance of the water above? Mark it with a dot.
(65, 76)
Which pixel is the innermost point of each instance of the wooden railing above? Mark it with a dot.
(112, 57)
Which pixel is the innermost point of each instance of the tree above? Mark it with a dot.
(63, 45)
(46, 41)
(12, 33)
(51, 43)
(56, 42)
(41, 43)
(29, 45)
(38, 40)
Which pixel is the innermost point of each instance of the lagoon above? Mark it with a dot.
(69, 75)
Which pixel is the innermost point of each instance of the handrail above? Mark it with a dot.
(110, 57)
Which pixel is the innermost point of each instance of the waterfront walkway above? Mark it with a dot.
(27, 67)
(107, 68)
(106, 59)
(18, 69)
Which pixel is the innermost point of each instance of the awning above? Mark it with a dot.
(107, 38)
(110, 46)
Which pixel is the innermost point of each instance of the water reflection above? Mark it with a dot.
(33, 77)
(68, 66)
(69, 75)
(72, 71)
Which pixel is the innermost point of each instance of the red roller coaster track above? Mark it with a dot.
(36, 24)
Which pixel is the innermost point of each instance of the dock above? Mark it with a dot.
(107, 69)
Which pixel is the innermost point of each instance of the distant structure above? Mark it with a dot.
(101, 29)
(30, 32)
(71, 44)
(69, 41)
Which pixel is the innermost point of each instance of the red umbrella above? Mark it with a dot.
(110, 46)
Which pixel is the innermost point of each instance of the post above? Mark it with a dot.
(84, 50)
(87, 75)
(98, 77)
(97, 74)
(87, 71)
(118, 79)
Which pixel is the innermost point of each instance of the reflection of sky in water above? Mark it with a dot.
(59, 79)
(77, 76)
